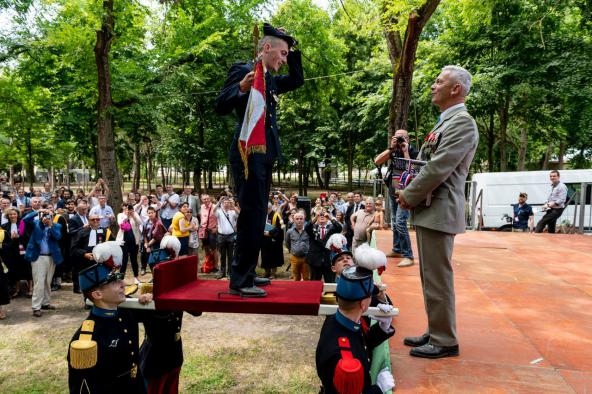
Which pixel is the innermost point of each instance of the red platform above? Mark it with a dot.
(177, 287)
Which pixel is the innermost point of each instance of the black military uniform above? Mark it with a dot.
(362, 341)
(318, 257)
(344, 350)
(161, 353)
(116, 368)
(253, 191)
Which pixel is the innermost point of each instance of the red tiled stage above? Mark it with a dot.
(176, 287)
(524, 316)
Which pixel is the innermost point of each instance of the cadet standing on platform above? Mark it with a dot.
(252, 92)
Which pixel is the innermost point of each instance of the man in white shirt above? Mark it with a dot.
(226, 214)
(104, 211)
(170, 206)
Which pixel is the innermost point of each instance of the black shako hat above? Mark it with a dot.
(269, 30)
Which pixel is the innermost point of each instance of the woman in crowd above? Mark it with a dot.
(272, 248)
(193, 237)
(278, 200)
(4, 297)
(13, 252)
(316, 210)
(289, 207)
(153, 232)
(129, 236)
(181, 228)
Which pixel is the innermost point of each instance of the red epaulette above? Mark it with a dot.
(349, 373)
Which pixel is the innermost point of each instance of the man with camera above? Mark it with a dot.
(227, 215)
(43, 251)
(400, 148)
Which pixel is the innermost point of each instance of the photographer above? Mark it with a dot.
(399, 148)
(43, 251)
(227, 215)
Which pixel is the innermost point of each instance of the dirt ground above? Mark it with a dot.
(244, 353)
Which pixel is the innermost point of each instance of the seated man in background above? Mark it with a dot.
(523, 215)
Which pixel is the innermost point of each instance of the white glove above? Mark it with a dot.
(385, 380)
(385, 308)
(384, 322)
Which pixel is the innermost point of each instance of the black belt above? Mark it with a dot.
(44, 254)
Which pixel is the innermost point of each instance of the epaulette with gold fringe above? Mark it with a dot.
(84, 351)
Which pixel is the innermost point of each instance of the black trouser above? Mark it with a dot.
(550, 219)
(225, 246)
(325, 273)
(131, 249)
(253, 196)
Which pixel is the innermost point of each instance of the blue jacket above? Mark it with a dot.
(34, 245)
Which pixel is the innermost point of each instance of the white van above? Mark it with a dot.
(492, 196)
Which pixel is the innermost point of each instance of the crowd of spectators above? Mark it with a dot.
(85, 219)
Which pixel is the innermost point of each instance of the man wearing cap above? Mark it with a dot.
(523, 215)
(253, 150)
(103, 353)
(345, 346)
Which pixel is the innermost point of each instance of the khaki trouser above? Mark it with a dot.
(299, 268)
(42, 269)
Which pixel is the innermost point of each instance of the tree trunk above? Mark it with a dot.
(30, 166)
(300, 171)
(149, 167)
(491, 141)
(106, 138)
(522, 149)
(137, 168)
(504, 117)
(560, 163)
(548, 152)
(318, 174)
(402, 57)
(350, 161)
(163, 175)
(306, 172)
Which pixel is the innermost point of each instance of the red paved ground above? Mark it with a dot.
(524, 316)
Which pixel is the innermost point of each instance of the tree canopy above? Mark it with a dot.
(168, 59)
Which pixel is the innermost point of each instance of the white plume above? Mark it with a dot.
(171, 242)
(103, 251)
(336, 242)
(369, 257)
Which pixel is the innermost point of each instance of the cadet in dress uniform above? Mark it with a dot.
(344, 350)
(252, 164)
(103, 354)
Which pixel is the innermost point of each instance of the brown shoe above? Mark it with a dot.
(394, 254)
(37, 313)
